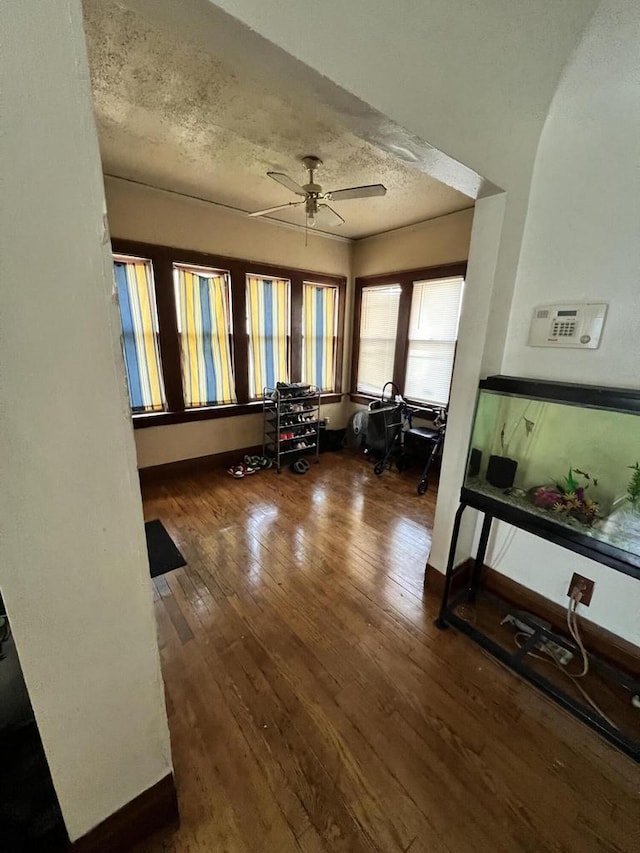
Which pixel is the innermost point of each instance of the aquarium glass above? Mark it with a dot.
(574, 465)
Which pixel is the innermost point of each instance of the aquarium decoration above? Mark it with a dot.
(501, 470)
(633, 489)
(528, 428)
(568, 497)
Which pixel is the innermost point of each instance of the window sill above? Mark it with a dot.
(157, 419)
(425, 410)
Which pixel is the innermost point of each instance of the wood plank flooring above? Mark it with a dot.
(313, 706)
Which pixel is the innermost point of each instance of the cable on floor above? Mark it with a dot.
(548, 657)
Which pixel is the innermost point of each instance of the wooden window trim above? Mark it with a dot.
(337, 366)
(405, 279)
(163, 259)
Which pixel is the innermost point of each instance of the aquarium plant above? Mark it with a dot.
(633, 489)
(568, 497)
(501, 470)
(506, 442)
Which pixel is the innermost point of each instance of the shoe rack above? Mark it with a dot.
(291, 423)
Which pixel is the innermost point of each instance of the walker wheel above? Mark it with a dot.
(379, 469)
(422, 487)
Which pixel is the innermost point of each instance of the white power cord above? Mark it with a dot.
(572, 623)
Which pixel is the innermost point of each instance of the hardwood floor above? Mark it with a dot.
(313, 705)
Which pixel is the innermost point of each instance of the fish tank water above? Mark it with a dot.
(561, 459)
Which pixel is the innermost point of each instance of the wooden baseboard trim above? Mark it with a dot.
(602, 643)
(154, 809)
(434, 580)
(185, 467)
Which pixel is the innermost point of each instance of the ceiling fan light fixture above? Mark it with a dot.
(312, 209)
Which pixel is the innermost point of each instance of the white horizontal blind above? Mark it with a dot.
(433, 329)
(378, 327)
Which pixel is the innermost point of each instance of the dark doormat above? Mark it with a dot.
(163, 554)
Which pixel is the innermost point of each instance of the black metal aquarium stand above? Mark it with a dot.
(516, 659)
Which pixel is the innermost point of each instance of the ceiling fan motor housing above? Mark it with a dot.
(312, 164)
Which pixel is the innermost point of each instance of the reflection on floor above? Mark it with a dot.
(314, 707)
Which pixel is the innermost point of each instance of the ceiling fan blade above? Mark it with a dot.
(287, 182)
(273, 209)
(369, 191)
(328, 215)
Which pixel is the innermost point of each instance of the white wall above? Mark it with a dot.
(481, 314)
(472, 79)
(163, 444)
(154, 216)
(582, 242)
(443, 240)
(74, 571)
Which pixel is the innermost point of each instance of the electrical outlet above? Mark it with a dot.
(584, 585)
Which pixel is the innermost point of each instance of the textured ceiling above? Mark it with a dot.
(173, 116)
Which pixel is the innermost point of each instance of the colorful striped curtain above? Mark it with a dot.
(268, 328)
(205, 337)
(134, 282)
(320, 311)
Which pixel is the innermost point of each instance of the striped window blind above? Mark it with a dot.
(268, 329)
(319, 332)
(378, 327)
(204, 328)
(138, 316)
(433, 330)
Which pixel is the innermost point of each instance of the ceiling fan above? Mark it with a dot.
(315, 199)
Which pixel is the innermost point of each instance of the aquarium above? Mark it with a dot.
(562, 460)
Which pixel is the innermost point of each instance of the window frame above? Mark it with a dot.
(118, 257)
(163, 258)
(336, 336)
(405, 279)
(289, 349)
(193, 268)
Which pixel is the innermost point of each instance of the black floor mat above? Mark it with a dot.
(163, 554)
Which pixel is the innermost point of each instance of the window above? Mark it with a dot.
(319, 334)
(433, 329)
(138, 315)
(378, 328)
(204, 328)
(405, 331)
(203, 334)
(268, 325)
